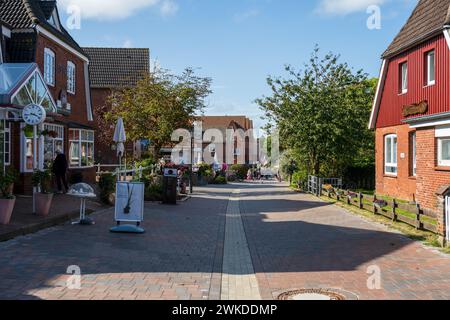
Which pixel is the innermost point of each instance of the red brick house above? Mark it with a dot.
(49, 68)
(113, 69)
(411, 112)
(241, 152)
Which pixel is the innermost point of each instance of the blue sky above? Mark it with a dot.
(240, 42)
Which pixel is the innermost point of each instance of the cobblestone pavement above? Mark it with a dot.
(179, 256)
(298, 242)
(241, 241)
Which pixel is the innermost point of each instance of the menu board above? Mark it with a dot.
(129, 202)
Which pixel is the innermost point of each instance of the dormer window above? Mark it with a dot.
(403, 77)
(51, 20)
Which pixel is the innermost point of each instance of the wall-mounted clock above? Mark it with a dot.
(33, 114)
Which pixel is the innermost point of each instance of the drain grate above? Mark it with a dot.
(311, 294)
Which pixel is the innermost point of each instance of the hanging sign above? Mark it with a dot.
(129, 202)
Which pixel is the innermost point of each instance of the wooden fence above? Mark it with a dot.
(410, 214)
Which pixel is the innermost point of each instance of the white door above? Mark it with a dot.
(447, 217)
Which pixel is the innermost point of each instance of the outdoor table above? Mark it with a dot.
(83, 196)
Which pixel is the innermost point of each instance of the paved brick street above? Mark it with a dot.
(264, 238)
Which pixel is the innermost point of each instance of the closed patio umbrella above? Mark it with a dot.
(120, 138)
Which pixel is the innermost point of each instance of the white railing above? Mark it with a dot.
(124, 171)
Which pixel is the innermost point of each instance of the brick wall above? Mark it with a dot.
(430, 177)
(403, 186)
(62, 56)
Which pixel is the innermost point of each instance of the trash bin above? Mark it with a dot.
(170, 182)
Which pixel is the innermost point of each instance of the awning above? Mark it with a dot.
(22, 84)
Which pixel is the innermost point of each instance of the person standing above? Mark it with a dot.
(60, 169)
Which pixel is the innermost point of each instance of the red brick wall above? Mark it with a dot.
(62, 56)
(403, 186)
(429, 177)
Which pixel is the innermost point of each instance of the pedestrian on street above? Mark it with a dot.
(60, 170)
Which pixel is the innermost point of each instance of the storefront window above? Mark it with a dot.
(81, 148)
(53, 141)
(28, 154)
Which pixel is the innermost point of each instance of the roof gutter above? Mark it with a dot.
(429, 120)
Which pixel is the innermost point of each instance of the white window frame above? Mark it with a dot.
(49, 67)
(441, 162)
(431, 61)
(393, 162)
(23, 150)
(7, 150)
(80, 143)
(404, 77)
(414, 153)
(71, 77)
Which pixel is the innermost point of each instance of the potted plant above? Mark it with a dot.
(7, 199)
(42, 179)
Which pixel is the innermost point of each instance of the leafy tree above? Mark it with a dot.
(159, 104)
(322, 113)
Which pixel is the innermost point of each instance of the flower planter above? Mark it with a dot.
(43, 203)
(6, 209)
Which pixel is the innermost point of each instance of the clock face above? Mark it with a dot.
(33, 114)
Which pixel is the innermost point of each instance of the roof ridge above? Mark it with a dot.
(117, 48)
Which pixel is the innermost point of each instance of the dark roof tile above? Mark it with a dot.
(117, 67)
(428, 19)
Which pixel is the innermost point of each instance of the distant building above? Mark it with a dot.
(240, 152)
(114, 69)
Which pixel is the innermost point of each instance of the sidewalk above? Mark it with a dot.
(24, 222)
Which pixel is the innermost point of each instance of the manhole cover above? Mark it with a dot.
(311, 294)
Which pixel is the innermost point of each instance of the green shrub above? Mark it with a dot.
(107, 186)
(299, 177)
(6, 182)
(219, 180)
(240, 170)
(42, 179)
(153, 192)
(205, 171)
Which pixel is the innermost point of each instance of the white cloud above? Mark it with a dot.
(242, 16)
(343, 7)
(117, 9)
(168, 8)
(127, 44)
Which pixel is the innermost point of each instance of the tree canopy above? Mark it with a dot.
(322, 113)
(159, 104)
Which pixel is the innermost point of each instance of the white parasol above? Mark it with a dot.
(120, 138)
